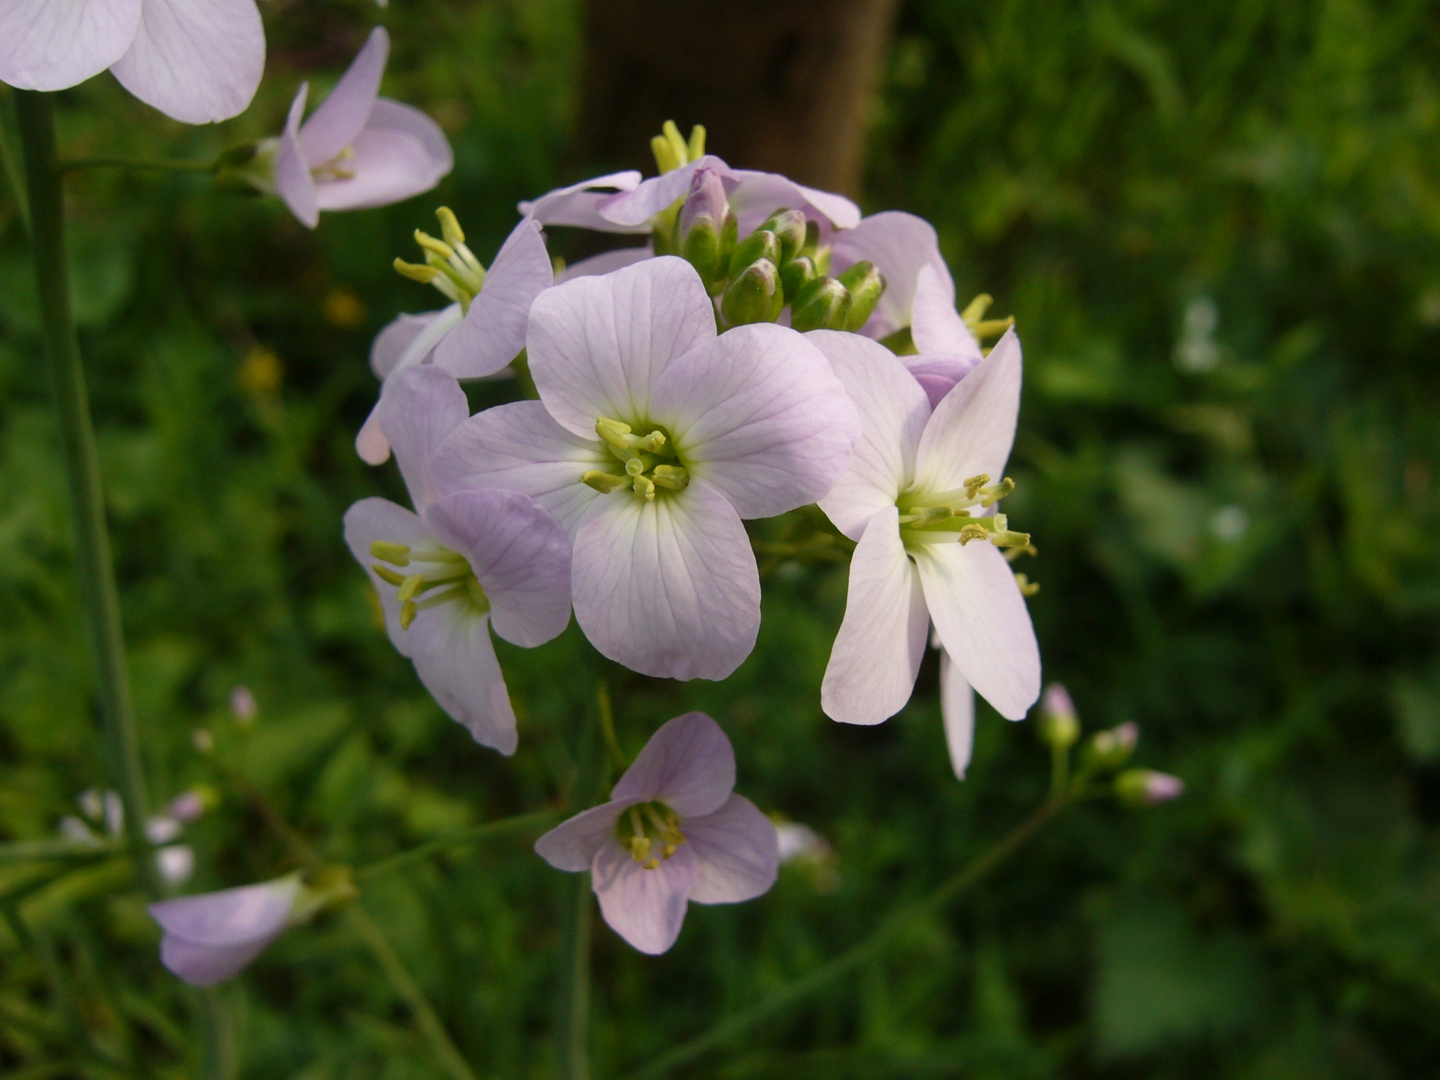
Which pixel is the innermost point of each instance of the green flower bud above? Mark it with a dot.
(1111, 749)
(1059, 727)
(796, 274)
(1145, 787)
(823, 304)
(866, 285)
(755, 295)
(789, 227)
(761, 244)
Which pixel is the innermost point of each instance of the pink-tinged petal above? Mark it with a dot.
(521, 448)
(342, 115)
(877, 652)
(973, 427)
(645, 907)
(597, 344)
(668, 588)
(937, 375)
(573, 843)
(231, 916)
(738, 850)
(893, 412)
(759, 414)
(46, 45)
(197, 61)
(419, 407)
(370, 441)
(935, 325)
(957, 710)
(388, 166)
(410, 339)
(579, 204)
(388, 115)
(519, 554)
(456, 661)
(606, 262)
(370, 520)
(634, 209)
(981, 618)
(754, 196)
(688, 764)
(899, 245)
(206, 965)
(293, 182)
(493, 332)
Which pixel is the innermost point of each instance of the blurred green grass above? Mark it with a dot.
(1218, 227)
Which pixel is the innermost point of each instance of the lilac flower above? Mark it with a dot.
(673, 831)
(653, 439)
(357, 149)
(918, 498)
(174, 862)
(462, 563)
(196, 61)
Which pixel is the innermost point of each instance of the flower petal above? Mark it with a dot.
(456, 661)
(493, 332)
(645, 907)
(893, 411)
(937, 375)
(519, 554)
(597, 344)
(573, 843)
(341, 116)
(973, 427)
(293, 182)
(607, 262)
(579, 204)
(231, 916)
(409, 339)
(877, 652)
(757, 195)
(758, 413)
(899, 245)
(668, 588)
(957, 710)
(388, 115)
(206, 965)
(370, 520)
(688, 764)
(981, 618)
(520, 447)
(634, 209)
(738, 850)
(935, 325)
(197, 61)
(418, 408)
(388, 166)
(50, 46)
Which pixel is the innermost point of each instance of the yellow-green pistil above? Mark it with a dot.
(939, 518)
(650, 832)
(649, 462)
(427, 569)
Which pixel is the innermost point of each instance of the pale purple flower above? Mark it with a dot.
(242, 705)
(918, 497)
(1145, 787)
(187, 806)
(358, 149)
(653, 439)
(175, 862)
(460, 564)
(672, 832)
(196, 61)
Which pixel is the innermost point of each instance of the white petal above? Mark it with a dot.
(419, 407)
(758, 413)
(410, 339)
(579, 204)
(493, 332)
(957, 710)
(893, 412)
(370, 441)
(899, 245)
(973, 427)
(645, 907)
(668, 588)
(197, 61)
(738, 850)
(206, 965)
(520, 447)
(982, 621)
(634, 209)
(754, 196)
(937, 375)
(456, 661)
(388, 166)
(688, 764)
(935, 325)
(231, 916)
(293, 182)
(387, 115)
(606, 262)
(45, 45)
(370, 520)
(597, 344)
(342, 115)
(573, 843)
(877, 652)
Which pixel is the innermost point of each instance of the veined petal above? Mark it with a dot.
(388, 115)
(573, 844)
(935, 325)
(607, 262)
(645, 907)
(49, 46)
(957, 710)
(293, 181)
(937, 375)
(973, 427)
(493, 332)
(877, 652)
(342, 115)
(668, 588)
(409, 339)
(754, 196)
(635, 208)
(900, 245)
(197, 61)
(370, 520)
(388, 166)
(455, 659)
(519, 554)
(579, 204)
(982, 621)
(893, 412)
(759, 414)
(419, 407)
(688, 763)
(597, 344)
(519, 446)
(738, 851)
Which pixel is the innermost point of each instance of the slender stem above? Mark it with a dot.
(58, 851)
(857, 954)
(483, 831)
(162, 164)
(220, 1060)
(607, 726)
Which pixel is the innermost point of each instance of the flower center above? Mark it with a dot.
(427, 569)
(649, 463)
(650, 832)
(335, 169)
(946, 517)
(449, 265)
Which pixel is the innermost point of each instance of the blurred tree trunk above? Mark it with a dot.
(781, 85)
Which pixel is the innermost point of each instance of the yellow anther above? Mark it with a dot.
(674, 477)
(677, 144)
(398, 554)
(433, 246)
(1007, 538)
(450, 226)
(664, 154)
(423, 274)
(651, 443)
(993, 494)
(603, 482)
(645, 486)
(975, 483)
(992, 327)
(388, 575)
(614, 432)
(697, 142)
(651, 864)
(1027, 587)
(1013, 553)
(973, 532)
(407, 614)
(409, 587)
(975, 310)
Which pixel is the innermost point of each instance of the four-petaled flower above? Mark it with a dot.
(673, 831)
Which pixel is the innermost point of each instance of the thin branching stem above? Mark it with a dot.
(483, 831)
(148, 164)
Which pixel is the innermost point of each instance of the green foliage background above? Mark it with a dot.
(1218, 227)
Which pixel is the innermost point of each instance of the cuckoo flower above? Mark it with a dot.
(917, 497)
(652, 439)
(197, 61)
(460, 564)
(673, 831)
(480, 333)
(357, 149)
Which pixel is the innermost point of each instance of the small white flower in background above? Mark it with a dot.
(242, 705)
(799, 841)
(175, 862)
(197, 61)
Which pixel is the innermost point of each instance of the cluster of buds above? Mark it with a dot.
(1105, 755)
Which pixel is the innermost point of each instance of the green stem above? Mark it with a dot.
(857, 954)
(58, 851)
(161, 164)
(483, 831)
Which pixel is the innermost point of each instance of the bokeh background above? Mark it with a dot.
(1218, 228)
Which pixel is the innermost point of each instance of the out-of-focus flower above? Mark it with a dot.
(242, 705)
(460, 564)
(1145, 787)
(197, 61)
(261, 374)
(653, 439)
(1059, 723)
(343, 309)
(672, 832)
(175, 862)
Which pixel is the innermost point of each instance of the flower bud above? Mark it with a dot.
(1145, 787)
(866, 285)
(1059, 726)
(824, 304)
(755, 295)
(761, 244)
(701, 225)
(1111, 749)
(789, 228)
(797, 273)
